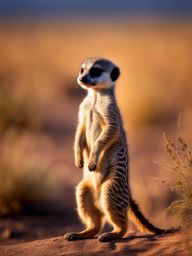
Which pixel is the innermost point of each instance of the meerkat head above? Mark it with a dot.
(97, 73)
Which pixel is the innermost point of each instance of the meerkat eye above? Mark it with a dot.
(96, 72)
(82, 70)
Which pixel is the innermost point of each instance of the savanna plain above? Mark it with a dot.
(39, 99)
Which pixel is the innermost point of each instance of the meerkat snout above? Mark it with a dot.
(97, 73)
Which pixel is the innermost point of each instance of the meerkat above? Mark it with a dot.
(101, 149)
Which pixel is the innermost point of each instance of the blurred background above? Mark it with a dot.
(42, 45)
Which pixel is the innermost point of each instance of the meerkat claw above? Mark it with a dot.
(81, 163)
(104, 237)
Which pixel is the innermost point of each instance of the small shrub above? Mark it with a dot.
(180, 155)
(28, 183)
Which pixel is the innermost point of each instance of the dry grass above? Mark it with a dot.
(17, 108)
(28, 181)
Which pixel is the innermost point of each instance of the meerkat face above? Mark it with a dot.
(97, 73)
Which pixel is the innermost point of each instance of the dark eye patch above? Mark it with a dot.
(81, 70)
(115, 74)
(95, 72)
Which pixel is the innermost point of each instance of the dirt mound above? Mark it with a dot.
(136, 244)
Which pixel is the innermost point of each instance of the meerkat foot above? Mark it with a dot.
(79, 236)
(106, 237)
(73, 236)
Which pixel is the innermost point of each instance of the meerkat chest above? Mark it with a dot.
(94, 124)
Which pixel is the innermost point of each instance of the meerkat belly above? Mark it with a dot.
(94, 127)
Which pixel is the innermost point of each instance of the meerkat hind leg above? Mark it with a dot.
(120, 228)
(115, 215)
(88, 213)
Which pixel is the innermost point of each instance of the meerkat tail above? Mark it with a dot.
(142, 223)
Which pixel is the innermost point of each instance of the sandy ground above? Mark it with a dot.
(136, 244)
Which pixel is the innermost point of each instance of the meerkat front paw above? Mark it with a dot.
(92, 163)
(79, 163)
(92, 166)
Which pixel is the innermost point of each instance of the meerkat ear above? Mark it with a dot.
(115, 74)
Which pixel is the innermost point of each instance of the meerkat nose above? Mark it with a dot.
(84, 79)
